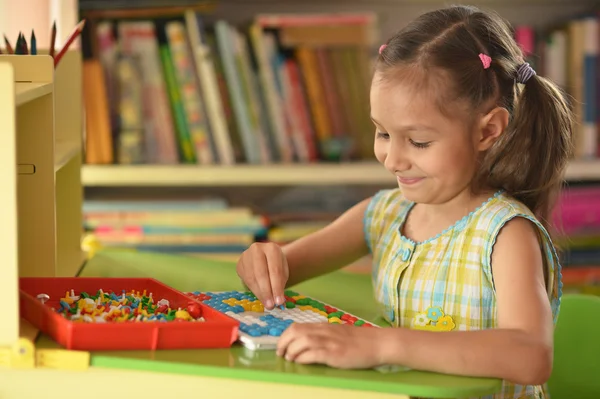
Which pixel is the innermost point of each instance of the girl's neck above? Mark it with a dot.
(428, 220)
(457, 207)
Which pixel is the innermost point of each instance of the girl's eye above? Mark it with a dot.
(420, 145)
(383, 135)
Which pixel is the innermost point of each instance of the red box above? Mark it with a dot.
(217, 331)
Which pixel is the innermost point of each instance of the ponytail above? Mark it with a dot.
(529, 160)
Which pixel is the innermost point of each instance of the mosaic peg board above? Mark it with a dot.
(261, 328)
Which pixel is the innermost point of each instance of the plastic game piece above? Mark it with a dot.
(127, 306)
(261, 328)
(194, 310)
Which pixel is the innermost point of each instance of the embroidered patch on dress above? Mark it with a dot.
(433, 319)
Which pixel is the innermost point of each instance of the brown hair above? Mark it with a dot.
(529, 159)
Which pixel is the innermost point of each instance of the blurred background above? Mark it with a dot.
(213, 124)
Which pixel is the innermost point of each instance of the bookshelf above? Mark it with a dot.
(537, 14)
(267, 184)
(363, 173)
(41, 154)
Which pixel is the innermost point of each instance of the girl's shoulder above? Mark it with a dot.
(500, 209)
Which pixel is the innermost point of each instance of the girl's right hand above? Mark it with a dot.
(263, 268)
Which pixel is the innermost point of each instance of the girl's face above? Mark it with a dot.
(433, 156)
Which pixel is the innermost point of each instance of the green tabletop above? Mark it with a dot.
(348, 291)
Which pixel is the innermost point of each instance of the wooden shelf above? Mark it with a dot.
(102, 12)
(266, 175)
(584, 171)
(41, 169)
(64, 151)
(26, 92)
(242, 175)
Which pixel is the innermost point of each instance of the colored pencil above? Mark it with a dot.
(9, 48)
(18, 45)
(76, 32)
(24, 44)
(33, 43)
(52, 39)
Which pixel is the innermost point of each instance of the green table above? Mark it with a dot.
(351, 292)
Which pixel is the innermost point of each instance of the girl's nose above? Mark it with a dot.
(396, 159)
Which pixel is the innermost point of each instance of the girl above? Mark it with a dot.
(479, 144)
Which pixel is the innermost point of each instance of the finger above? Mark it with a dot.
(301, 345)
(246, 275)
(260, 270)
(312, 356)
(289, 334)
(291, 341)
(275, 260)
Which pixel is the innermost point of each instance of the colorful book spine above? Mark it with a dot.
(273, 99)
(590, 87)
(204, 205)
(138, 40)
(186, 147)
(189, 91)
(130, 145)
(225, 45)
(207, 75)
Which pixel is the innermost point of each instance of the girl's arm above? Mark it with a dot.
(520, 350)
(326, 250)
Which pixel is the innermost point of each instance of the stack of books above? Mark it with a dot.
(191, 227)
(577, 221)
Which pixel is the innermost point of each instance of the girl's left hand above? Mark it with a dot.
(336, 345)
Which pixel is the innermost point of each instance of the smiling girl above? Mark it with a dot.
(463, 262)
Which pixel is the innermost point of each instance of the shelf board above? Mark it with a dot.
(266, 175)
(242, 175)
(64, 151)
(127, 11)
(584, 170)
(26, 92)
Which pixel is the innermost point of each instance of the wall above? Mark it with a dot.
(24, 15)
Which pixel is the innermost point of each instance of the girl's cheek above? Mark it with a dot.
(380, 153)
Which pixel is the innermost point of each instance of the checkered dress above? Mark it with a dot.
(445, 283)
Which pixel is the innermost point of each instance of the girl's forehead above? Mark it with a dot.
(415, 95)
(391, 98)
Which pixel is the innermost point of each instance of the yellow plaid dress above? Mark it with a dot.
(445, 283)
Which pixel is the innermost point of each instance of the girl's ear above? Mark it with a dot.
(491, 126)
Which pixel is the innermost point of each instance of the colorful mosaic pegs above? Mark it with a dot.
(256, 321)
(129, 306)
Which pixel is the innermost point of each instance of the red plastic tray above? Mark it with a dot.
(217, 331)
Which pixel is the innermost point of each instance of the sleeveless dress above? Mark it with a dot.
(445, 283)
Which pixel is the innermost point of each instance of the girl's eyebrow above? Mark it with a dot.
(374, 120)
(410, 128)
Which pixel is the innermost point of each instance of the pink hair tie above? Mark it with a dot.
(382, 47)
(485, 60)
